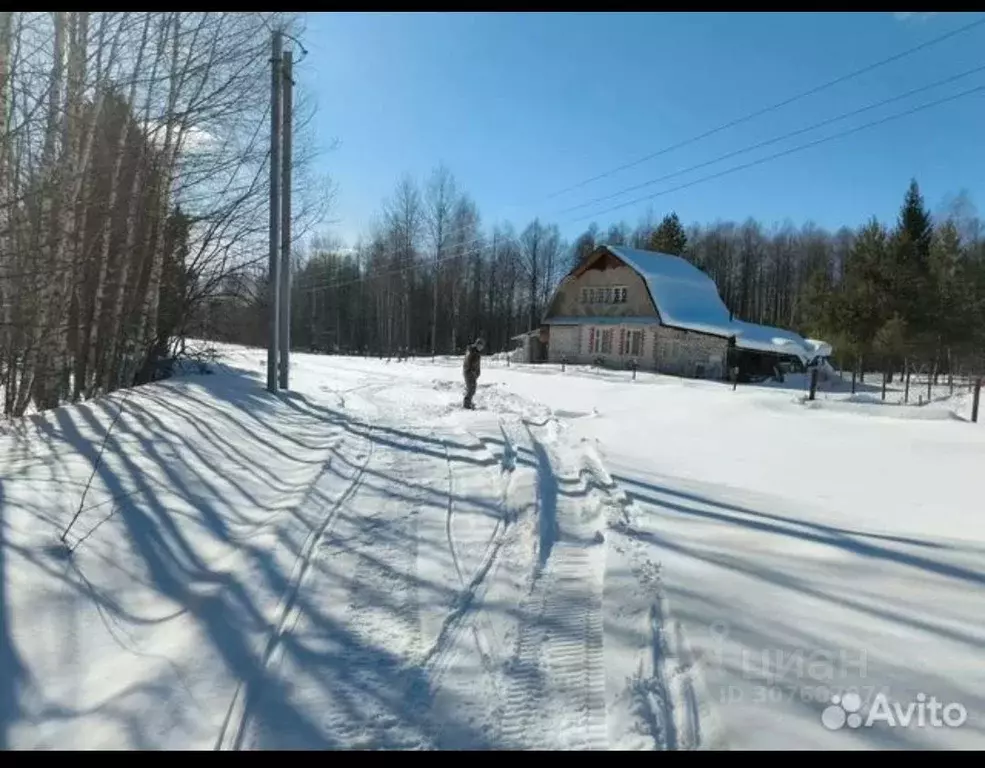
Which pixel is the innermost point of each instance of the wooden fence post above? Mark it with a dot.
(974, 402)
(906, 379)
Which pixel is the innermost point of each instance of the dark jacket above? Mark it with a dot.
(470, 368)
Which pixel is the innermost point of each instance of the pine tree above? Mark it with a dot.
(915, 221)
(669, 237)
(911, 280)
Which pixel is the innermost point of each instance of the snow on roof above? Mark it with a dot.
(688, 298)
(765, 338)
(821, 348)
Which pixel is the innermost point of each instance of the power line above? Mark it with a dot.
(786, 152)
(768, 142)
(484, 240)
(778, 105)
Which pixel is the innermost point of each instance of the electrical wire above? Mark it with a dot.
(484, 240)
(467, 250)
(786, 152)
(766, 110)
(768, 142)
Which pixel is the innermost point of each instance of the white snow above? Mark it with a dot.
(688, 298)
(819, 348)
(585, 561)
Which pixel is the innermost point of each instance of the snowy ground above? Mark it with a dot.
(586, 561)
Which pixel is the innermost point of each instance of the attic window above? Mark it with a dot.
(613, 294)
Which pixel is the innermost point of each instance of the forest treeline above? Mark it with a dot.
(430, 276)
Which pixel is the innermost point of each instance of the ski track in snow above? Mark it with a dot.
(237, 718)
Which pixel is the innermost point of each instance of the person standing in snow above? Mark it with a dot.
(470, 370)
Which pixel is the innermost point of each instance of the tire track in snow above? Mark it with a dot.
(556, 699)
(238, 714)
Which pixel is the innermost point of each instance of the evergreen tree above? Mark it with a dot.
(669, 237)
(911, 284)
(915, 221)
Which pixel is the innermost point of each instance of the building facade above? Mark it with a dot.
(624, 305)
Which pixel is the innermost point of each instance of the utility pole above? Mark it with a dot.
(275, 179)
(287, 82)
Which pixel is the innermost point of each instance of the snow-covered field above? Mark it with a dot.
(585, 561)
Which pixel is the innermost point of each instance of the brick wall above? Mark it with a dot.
(564, 340)
(575, 343)
(666, 350)
(686, 353)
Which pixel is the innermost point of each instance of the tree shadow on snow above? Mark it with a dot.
(166, 448)
(12, 670)
(763, 629)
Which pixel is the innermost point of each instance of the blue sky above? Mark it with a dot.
(522, 106)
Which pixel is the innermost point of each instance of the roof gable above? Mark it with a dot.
(685, 296)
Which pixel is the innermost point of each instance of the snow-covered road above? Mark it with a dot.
(360, 563)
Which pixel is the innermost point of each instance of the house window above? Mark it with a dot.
(607, 342)
(635, 343)
(594, 341)
(615, 294)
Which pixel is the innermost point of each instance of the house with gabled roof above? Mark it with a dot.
(623, 304)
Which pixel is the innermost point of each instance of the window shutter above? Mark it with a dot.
(591, 339)
(622, 341)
